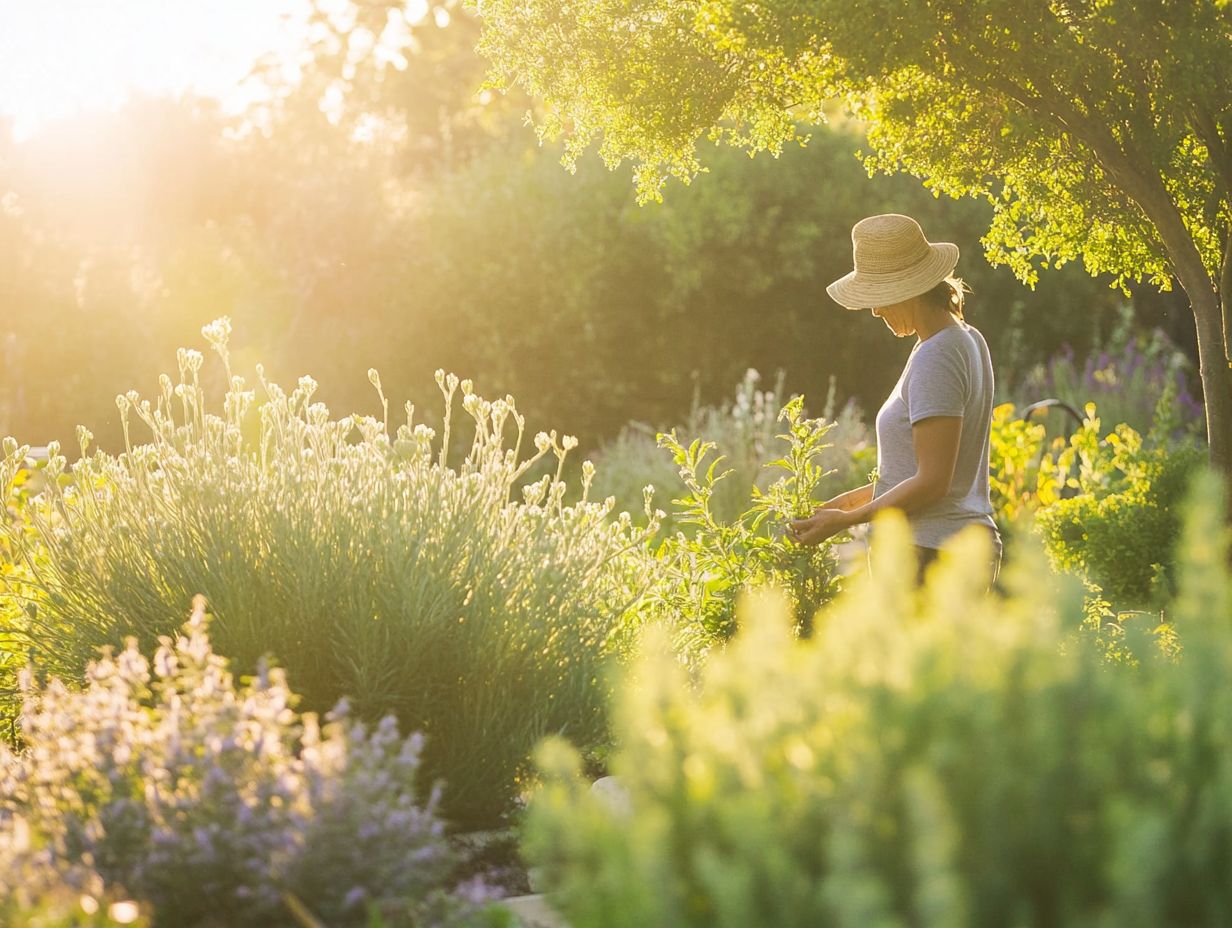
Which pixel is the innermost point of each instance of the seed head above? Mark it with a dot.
(217, 332)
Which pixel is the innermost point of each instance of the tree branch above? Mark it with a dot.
(1219, 151)
(1144, 187)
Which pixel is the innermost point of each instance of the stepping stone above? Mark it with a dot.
(533, 912)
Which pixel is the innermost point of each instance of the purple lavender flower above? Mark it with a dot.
(211, 801)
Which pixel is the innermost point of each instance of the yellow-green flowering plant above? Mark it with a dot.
(1118, 525)
(1106, 503)
(17, 608)
(947, 757)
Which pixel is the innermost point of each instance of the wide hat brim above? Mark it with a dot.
(865, 290)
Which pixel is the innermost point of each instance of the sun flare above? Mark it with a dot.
(66, 57)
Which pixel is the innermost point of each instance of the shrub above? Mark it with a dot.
(945, 759)
(746, 429)
(1120, 530)
(1108, 508)
(367, 562)
(217, 803)
(706, 572)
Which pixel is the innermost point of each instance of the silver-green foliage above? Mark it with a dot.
(361, 556)
(944, 759)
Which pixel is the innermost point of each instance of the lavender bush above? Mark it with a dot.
(218, 804)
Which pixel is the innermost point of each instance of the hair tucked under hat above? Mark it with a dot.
(948, 295)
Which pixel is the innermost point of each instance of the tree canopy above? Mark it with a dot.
(1099, 130)
(966, 94)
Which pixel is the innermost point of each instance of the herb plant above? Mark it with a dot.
(211, 802)
(951, 758)
(707, 570)
(368, 558)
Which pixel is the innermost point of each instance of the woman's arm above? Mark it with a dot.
(935, 441)
(851, 499)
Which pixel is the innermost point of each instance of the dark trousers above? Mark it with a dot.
(926, 556)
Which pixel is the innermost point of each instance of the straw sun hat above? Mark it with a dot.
(893, 262)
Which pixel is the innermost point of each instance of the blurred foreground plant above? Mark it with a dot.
(218, 804)
(361, 556)
(944, 758)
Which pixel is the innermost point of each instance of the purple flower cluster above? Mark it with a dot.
(216, 803)
(1126, 381)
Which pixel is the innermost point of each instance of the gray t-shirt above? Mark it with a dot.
(948, 374)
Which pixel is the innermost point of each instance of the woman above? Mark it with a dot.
(933, 430)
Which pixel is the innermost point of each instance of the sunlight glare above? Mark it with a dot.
(59, 58)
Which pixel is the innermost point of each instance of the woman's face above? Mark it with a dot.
(898, 317)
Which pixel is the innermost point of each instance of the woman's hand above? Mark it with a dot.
(822, 524)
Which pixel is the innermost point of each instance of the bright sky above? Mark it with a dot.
(59, 57)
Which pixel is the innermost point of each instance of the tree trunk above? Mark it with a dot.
(1216, 375)
(1205, 296)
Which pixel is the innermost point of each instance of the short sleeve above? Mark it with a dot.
(939, 382)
